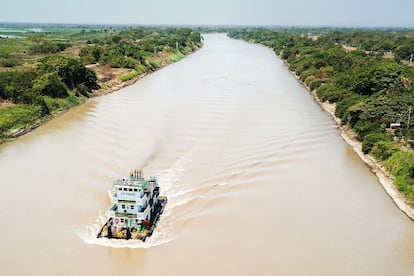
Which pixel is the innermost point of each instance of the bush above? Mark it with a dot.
(57, 104)
(47, 47)
(90, 54)
(10, 62)
(176, 57)
(402, 162)
(81, 89)
(363, 128)
(329, 92)
(129, 76)
(307, 73)
(129, 62)
(141, 69)
(343, 106)
(411, 172)
(353, 115)
(51, 85)
(152, 65)
(18, 116)
(315, 84)
(372, 138)
(71, 71)
(119, 61)
(383, 150)
(401, 165)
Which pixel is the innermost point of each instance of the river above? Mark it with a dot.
(258, 178)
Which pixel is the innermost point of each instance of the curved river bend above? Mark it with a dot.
(258, 178)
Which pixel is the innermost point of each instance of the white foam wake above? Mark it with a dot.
(161, 235)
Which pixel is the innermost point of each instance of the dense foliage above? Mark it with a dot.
(134, 47)
(367, 75)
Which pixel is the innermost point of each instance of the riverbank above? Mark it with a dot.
(48, 77)
(109, 81)
(384, 177)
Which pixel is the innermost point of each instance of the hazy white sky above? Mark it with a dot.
(363, 13)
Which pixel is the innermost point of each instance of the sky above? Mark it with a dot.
(345, 13)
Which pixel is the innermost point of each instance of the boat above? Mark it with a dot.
(136, 210)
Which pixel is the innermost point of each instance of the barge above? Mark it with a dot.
(136, 210)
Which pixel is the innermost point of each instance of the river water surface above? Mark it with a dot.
(258, 178)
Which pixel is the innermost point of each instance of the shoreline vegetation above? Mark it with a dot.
(43, 73)
(348, 135)
(315, 64)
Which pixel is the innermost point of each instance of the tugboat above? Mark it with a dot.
(136, 208)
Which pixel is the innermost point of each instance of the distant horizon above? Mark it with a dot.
(300, 13)
(80, 24)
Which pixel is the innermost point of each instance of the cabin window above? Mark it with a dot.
(122, 220)
(135, 190)
(123, 206)
(119, 189)
(130, 190)
(125, 189)
(132, 207)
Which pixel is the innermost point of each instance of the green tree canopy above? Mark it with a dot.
(50, 84)
(71, 71)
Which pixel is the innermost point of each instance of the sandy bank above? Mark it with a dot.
(349, 136)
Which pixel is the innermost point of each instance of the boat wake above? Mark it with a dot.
(162, 234)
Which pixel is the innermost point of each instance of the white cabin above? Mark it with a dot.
(132, 200)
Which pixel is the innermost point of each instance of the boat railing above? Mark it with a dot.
(141, 215)
(138, 199)
(132, 182)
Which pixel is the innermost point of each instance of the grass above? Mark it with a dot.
(401, 165)
(17, 116)
(176, 57)
(59, 104)
(13, 45)
(129, 76)
(23, 115)
(19, 48)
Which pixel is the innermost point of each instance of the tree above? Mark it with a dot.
(14, 84)
(91, 54)
(404, 52)
(371, 139)
(51, 85)
(116, 39)
(71, 71)
(384, 150)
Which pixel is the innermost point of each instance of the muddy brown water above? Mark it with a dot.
(258, 178)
